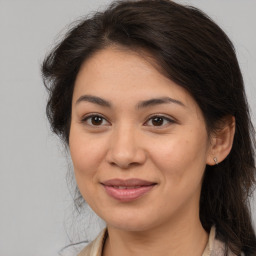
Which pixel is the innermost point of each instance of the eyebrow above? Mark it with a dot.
(142, 104)
(95, 100)
(158, 101)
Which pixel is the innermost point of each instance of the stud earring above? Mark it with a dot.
(215, 160)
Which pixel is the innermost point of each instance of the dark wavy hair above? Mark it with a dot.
(195, 53)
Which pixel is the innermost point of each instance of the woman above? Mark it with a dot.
(149, 98)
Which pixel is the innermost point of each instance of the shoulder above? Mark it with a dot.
(216, 247)
(95, 247)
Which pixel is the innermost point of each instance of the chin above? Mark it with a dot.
(131, 223)
(131, 227)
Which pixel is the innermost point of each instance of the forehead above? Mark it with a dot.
(120, 62)
(115, 70)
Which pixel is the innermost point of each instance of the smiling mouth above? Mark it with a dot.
(127, 190)
(124, 187)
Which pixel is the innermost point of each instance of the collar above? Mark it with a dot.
(214, 246)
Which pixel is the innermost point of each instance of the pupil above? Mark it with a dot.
(157, 121)
(96, 120)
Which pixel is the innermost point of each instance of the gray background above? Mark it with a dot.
(35, 205)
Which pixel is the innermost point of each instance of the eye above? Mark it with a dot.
(95, 120)
(159, 121)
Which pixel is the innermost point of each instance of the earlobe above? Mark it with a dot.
(222, 141)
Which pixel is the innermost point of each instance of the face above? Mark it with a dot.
(138, 142)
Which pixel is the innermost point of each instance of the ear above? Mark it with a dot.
(222, 141)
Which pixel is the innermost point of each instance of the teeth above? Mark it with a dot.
(123, 187)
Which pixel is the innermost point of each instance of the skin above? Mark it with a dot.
(126, 143)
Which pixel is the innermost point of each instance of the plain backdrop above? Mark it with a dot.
(35, 204)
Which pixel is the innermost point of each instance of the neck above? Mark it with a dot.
(186, 237)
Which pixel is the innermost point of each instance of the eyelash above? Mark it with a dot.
(89, 117)
(164, 118)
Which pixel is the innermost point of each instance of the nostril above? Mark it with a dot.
(125, 166)
(134, 164)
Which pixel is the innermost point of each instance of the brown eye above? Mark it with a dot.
(157, 121)
(160, 121)
(95, 120)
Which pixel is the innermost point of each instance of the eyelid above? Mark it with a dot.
(88, 116)
(166, 118)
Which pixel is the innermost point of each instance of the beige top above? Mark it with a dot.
(214, 246)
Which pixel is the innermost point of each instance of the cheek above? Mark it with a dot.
(86, 153)
(182, 158)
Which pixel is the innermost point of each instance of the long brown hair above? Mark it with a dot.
(195, 53)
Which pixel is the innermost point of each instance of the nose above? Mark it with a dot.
(126, 148)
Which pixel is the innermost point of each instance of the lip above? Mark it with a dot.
(127, 190)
